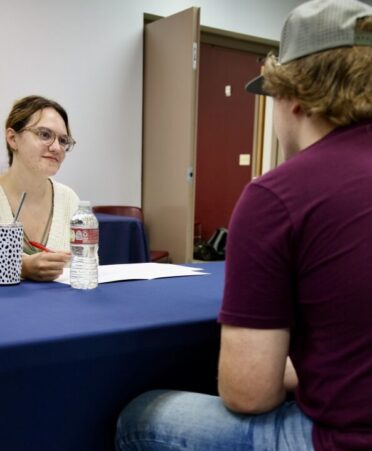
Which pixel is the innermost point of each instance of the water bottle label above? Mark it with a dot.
(84, 236)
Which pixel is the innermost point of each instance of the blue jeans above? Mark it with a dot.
(162, 420)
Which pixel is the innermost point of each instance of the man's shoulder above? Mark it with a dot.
(314, 161)
(284, 174)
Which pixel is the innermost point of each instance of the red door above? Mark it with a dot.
(225, 131)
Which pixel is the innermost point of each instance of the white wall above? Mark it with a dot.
(87, 55)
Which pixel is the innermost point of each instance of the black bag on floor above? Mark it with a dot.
(214, 248)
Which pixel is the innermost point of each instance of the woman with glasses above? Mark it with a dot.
(37, 138)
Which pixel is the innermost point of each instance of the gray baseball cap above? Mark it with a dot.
(315, 26)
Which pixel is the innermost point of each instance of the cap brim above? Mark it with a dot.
(255, 86)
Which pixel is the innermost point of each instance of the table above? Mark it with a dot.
(122, 239)
(71, 359)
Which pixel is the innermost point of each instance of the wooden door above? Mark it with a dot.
(169, 136)
(225, 133)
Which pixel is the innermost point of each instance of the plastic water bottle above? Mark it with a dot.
(84, 248)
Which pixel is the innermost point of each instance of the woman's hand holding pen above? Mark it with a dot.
(44, 266)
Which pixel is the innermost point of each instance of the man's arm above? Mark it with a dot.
(251, 368)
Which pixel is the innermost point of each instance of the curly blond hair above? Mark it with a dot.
(335, 84)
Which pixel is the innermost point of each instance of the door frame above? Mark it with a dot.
(229, 39)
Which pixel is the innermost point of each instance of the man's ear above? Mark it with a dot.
(296, 107)
(10, 135)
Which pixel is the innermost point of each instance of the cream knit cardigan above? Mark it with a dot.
(65, 205)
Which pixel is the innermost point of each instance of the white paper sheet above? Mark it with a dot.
(137, 271)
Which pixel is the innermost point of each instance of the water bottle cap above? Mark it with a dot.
(84, 203)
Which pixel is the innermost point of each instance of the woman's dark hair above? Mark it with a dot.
(22, 111)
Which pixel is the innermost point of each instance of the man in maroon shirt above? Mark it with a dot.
(298, 282)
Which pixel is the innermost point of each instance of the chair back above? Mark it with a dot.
(120, 210)
(134, 212)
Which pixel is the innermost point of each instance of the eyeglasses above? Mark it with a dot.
(48, 136)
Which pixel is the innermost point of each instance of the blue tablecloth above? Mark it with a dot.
(121, 240)
(71, 359)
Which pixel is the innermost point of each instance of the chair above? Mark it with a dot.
(134, 212)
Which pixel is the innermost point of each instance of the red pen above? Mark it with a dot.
(39, 246)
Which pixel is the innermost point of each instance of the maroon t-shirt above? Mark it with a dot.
(299, 256)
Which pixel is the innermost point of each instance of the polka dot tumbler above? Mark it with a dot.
(11, 246)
